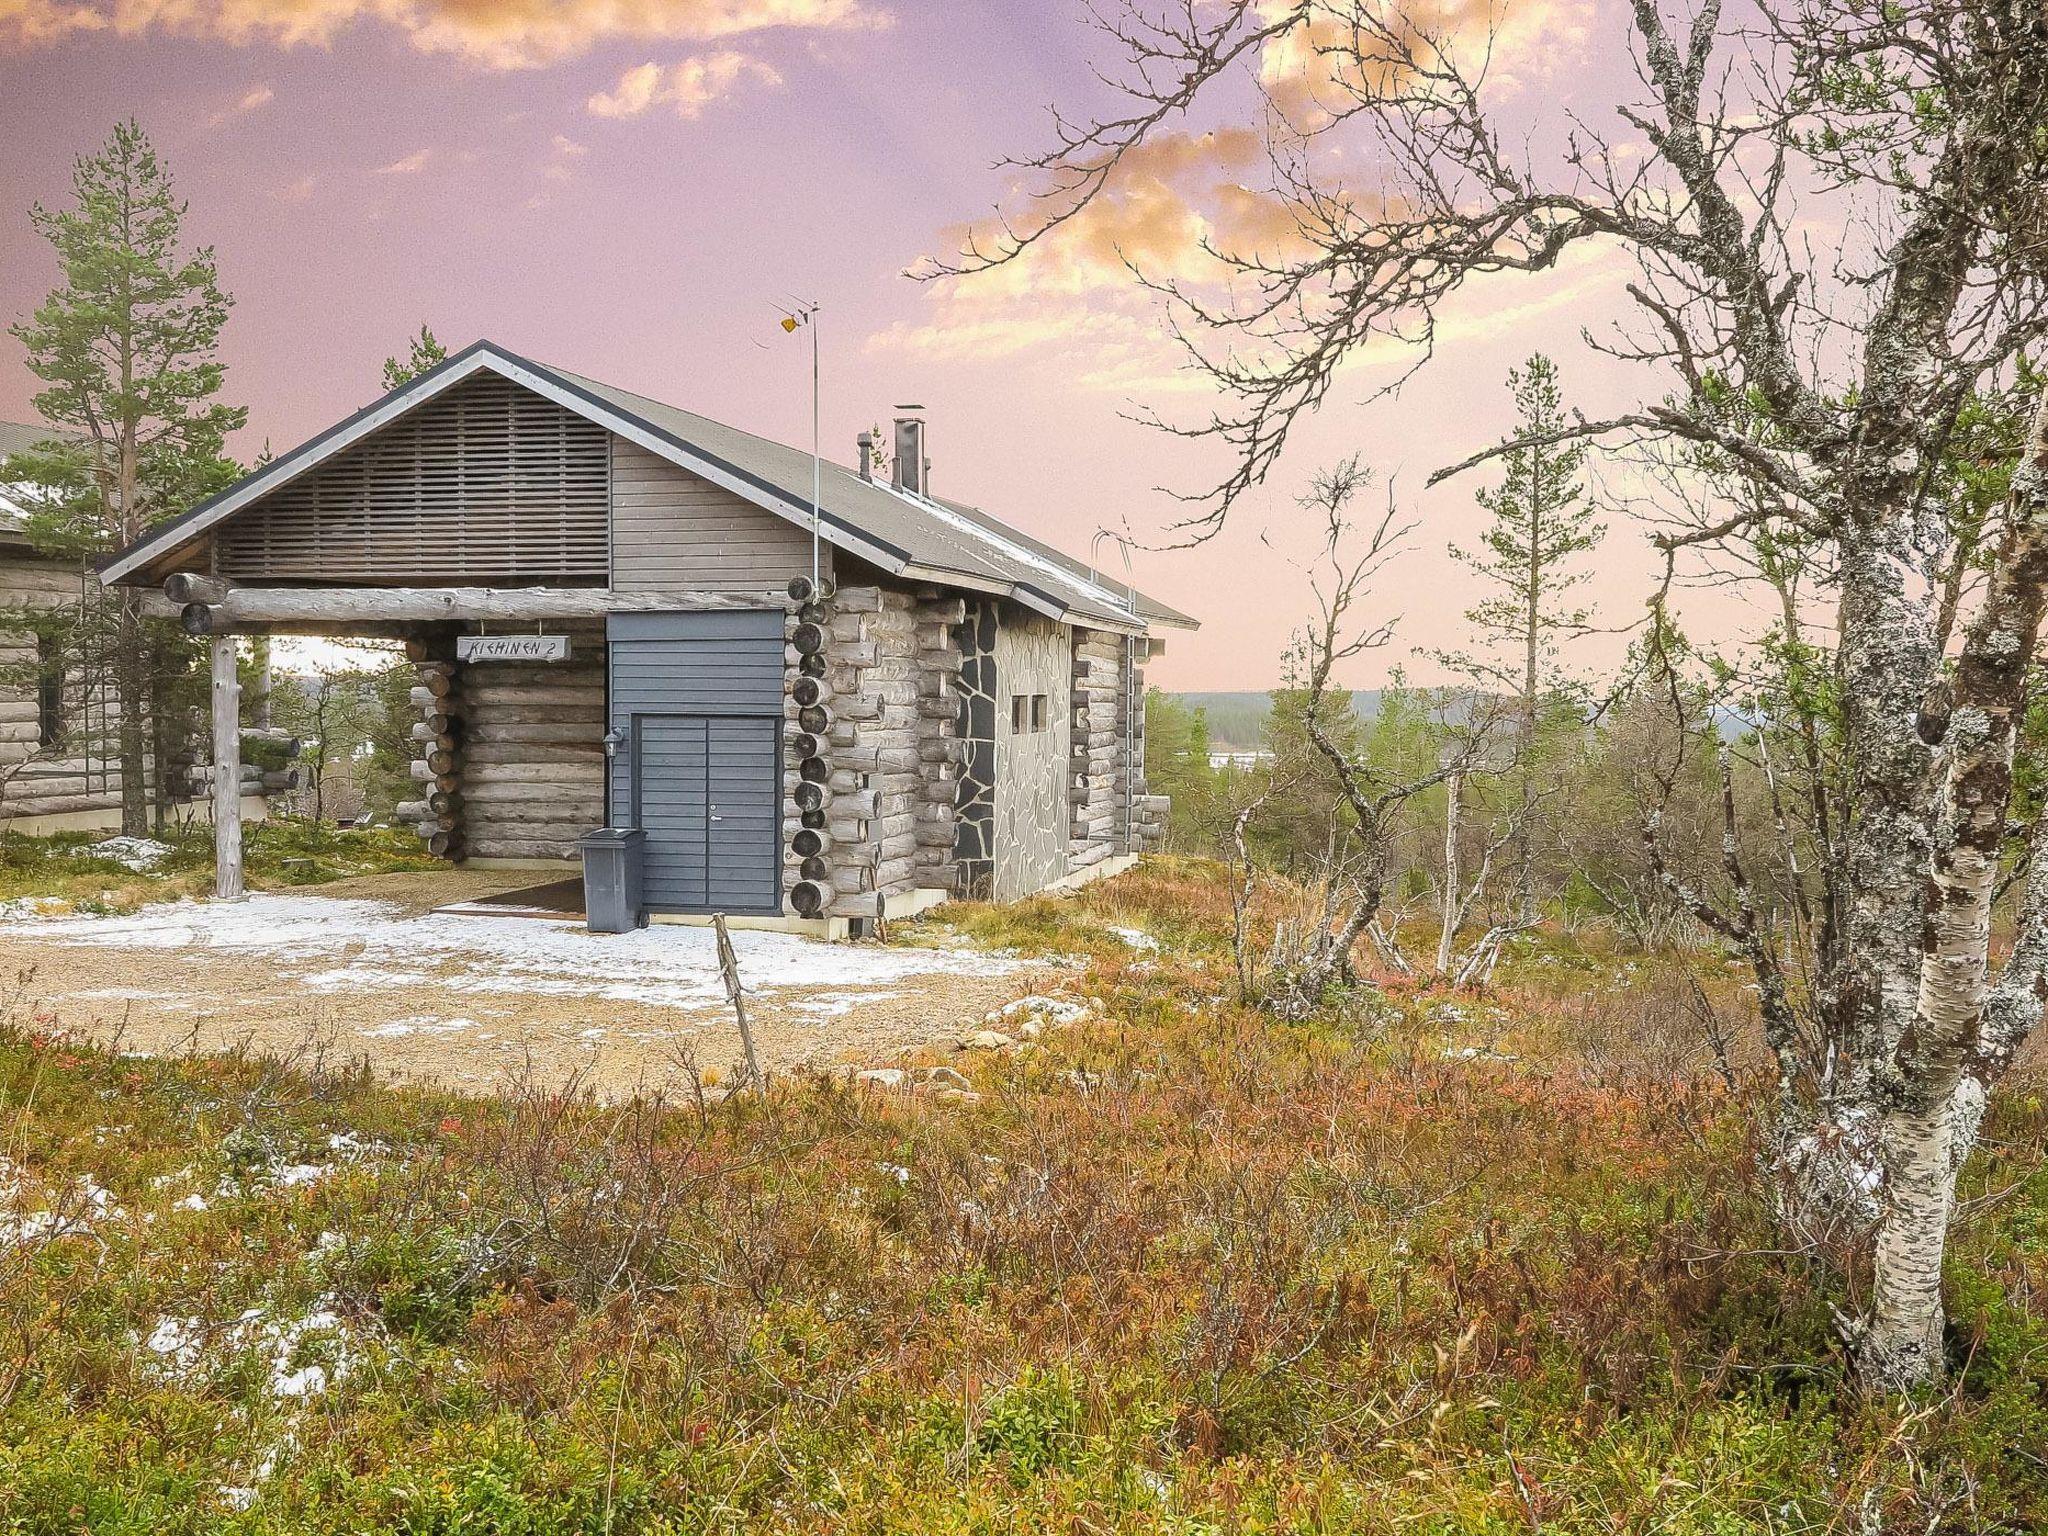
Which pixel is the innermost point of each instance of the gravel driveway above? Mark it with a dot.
(368, 968)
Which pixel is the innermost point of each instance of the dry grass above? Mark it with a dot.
(1176, 1271)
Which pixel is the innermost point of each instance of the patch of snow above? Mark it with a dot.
(279, 1174)
(177, 1340)
(182, 1343)
(1138, 939)
(23, 908)
(357, 945)
(1050, 1010)
(1475, 1053)
(137, 853)
(72, 1212)
(836, 1005)
(418, 1024)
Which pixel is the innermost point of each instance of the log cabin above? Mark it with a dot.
(819, 703)
(60, 766)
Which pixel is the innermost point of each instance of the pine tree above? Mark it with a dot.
(125, 347)
(1539, 522)
(423, 352)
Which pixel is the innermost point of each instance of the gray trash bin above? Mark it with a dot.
(611, 879)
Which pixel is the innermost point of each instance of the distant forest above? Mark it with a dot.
(1237, 721)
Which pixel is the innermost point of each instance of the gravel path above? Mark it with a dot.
(368, 968)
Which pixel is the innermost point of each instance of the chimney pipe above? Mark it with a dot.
(911, 470)
(864, 455)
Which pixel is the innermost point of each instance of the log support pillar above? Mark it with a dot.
(227, 774)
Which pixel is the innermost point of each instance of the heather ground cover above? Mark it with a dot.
(1471, 1263)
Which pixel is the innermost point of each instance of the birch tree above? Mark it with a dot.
(1915, 133)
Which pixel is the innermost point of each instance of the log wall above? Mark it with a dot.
(1108, 753)
(510, 758)
(886, 755)
(81, 772)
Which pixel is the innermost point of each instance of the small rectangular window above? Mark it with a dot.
(1038, 711)
(1020, 713)
(49, 691)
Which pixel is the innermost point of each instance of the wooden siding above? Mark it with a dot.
(673, 531)
(488, 484)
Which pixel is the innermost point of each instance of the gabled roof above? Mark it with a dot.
(913, 536)
(18, 437)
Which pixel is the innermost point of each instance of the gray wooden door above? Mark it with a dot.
(697, 701)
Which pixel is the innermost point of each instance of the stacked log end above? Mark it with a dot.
(436, 814)
(267, 759)
(1149, 810)
(885, 762)
(937, 793)
(1097, 748)
(807, 798)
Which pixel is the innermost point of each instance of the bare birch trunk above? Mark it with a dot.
(1447, 936)
(1934, 1103)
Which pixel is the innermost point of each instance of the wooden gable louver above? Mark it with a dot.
(487, 483)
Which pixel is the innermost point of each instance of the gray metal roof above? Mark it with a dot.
(943, 542)
(942, 538)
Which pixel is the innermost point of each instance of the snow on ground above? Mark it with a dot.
(136, 853)
(356, 945)
(65, 1212)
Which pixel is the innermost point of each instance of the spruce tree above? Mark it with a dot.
(1539, 523)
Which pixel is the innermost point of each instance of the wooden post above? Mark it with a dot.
(729, 969)
(227, 774)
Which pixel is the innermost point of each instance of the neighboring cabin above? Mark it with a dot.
(612, 604)
(59, 722)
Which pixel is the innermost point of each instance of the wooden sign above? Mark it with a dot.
(512, 647)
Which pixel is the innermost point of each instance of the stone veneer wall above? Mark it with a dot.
(1034, 659)
(974, 727)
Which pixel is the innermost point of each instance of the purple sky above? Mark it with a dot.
(630, 188)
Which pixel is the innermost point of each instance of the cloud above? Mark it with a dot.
(407, 166)
(1175, 201)
(1328, 65)
(256, 96)
(563, 153)
(1181, 198)
(295, 192)
(29, 22)
(496, 34)
(688, 87)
